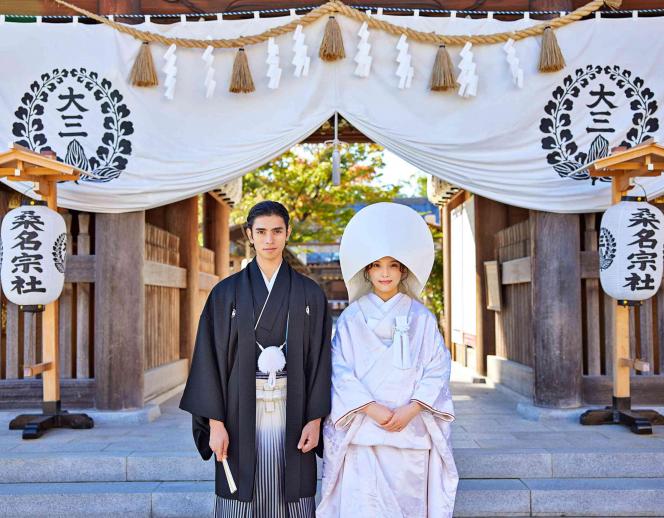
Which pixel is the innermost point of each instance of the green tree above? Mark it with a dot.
(301, 179)
(421, 185)
(432, 296)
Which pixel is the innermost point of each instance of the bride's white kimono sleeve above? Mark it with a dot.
(432, 391)
(349, 395)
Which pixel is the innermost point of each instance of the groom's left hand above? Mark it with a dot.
(310, 436)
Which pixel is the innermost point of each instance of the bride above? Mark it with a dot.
(387, 440)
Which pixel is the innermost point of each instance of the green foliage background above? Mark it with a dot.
(301, 179)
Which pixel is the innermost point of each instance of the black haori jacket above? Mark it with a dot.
(221, 383)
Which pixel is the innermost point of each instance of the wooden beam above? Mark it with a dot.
(119, 327)
(159, 380)
(556, 308)
(25, 177)
(206, 281)
(597, 390)
(38, 368)
(44, 7)
(118, 6)
(642, 154)
(26, 393)
(166, 275)
(551, 5)
(458, 198)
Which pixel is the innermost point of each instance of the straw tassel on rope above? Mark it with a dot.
(143, 73)
(442, 76)
(332, 46)
(551, 57)
(241, 80)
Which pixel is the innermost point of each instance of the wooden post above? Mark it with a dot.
(490, 217)
(51, 377)
(621, 371)
(218, 233)
(447, 276)
(83, 304)
(556, 308)
(223, 252)
(119, 310)
(65, 314)
(593, 294)
(182, 220)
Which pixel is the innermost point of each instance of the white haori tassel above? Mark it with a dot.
(270, 361)
(401, 344)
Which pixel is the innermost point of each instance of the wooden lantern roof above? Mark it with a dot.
(23, 165)
(646, 159)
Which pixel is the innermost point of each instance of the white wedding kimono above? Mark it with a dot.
(392, 353)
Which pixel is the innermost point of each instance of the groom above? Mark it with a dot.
(237, 395)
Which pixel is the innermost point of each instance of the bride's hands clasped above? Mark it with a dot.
(402, 416)
(393, 420)
(379, 413)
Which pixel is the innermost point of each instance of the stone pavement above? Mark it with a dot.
(509, 465)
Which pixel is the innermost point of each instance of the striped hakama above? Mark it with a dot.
(269, 484)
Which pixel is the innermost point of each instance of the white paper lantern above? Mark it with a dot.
(631, 240)
(33, 253)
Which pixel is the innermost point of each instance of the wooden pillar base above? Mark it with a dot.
(34, 425)
(639, 421)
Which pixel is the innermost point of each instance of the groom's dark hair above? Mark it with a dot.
(267, 208)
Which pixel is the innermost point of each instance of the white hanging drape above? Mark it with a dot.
(65, 87)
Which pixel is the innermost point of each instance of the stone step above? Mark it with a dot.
(472, 463)
(108, 499)
(475, 497)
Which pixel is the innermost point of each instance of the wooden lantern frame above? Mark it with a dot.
(23, 165)
(622, 165)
